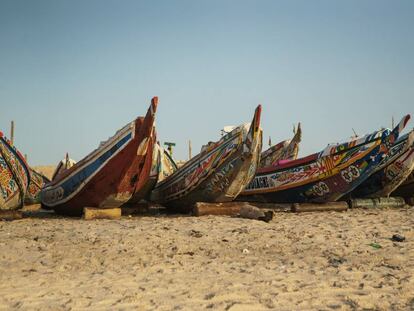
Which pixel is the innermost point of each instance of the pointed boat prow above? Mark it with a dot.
(392, 138)
(255, 125)
(153, 107)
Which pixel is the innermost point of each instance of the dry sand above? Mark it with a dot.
(315, 261)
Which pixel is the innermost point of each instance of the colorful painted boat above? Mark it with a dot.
(37, 182)
(218, 173)
(392, 172)
(14, 176)
(286, 150)
(324, 176)
(109, 176)
(406, 189)
(63, 166)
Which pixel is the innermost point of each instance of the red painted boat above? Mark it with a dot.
(111, 175)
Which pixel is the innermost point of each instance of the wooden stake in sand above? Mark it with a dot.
(12, 132)
(11, 215)
(90, 213)
(321, 207)
(396, 202)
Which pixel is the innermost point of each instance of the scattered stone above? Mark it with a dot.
(196, 234)
(246, 251)
(398, 238)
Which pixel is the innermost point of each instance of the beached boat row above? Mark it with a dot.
(131, 167)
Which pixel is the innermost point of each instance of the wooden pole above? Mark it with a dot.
(12, 132)
(321, 207)
(377, 203)
(189, 150)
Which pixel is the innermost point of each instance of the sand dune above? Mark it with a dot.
(318, 261)
(46, 170)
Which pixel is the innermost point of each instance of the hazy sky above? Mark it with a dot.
(73, 72)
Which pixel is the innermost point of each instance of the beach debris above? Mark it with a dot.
(398, 238)
(10, 215)
(90, 213)
(375, 245)
(336, 262)
(241, 209)
(319, 207)
(252, 212)
(396, 202)
(246, 251)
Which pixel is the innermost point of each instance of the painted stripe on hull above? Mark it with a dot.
(70, 186)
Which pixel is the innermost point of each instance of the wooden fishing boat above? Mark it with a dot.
(406, 189)
(392, 172)
(109, 176)
(63, 166)
(162, 166)
(324, 176)
(14, 176)
(286, 150)
(218, 173)
(37, 182)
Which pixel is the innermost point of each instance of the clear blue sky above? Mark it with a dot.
(73, 72)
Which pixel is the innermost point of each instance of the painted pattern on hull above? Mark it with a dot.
(14, 176)
(326, 176)
(219, 173)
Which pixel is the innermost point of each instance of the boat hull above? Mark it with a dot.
(14, 176)
(218, 174)
(37, 182)
(326, 176)
(111, 175)
(406, 189)
(396, 169)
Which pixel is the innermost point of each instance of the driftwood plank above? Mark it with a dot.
(396, 202)
(321, 207)
(223, 209)
(90, 213)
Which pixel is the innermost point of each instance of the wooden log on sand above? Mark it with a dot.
(319, 207)
(10, 215)
(90, 213)
(392, 202)
(223, 209)
(242, 209)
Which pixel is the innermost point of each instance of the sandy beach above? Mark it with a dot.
(309, 261)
